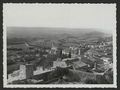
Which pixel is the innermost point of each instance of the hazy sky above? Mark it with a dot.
(99, 16)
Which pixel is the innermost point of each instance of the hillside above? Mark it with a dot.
(64, 35)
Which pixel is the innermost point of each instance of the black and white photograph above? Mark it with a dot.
(59, 45)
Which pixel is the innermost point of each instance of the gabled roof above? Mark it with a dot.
(79, 64)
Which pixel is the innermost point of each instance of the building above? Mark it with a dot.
(53, 49)
(79, 64)
(25, 72)
(59, 63)
(107, 63)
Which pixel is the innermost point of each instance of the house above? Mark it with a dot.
(78, 64)
(105, 60)
(25, 72)
(59, 63)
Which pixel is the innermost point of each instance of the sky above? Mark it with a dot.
(97, 16)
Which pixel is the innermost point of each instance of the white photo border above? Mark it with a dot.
(5, 85)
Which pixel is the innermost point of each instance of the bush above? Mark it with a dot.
(90, 81)
(109, 76)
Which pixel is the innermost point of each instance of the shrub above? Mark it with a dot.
(90, 81)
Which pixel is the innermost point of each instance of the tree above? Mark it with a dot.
(69, 54)
(90, 81)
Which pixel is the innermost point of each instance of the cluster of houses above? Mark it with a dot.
(75, 60)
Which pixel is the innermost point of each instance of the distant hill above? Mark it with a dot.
(40, 31)
(93, 35)
(52, 33)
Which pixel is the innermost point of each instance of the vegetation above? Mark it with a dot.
(90, 81)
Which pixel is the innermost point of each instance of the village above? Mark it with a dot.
(34, 64)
